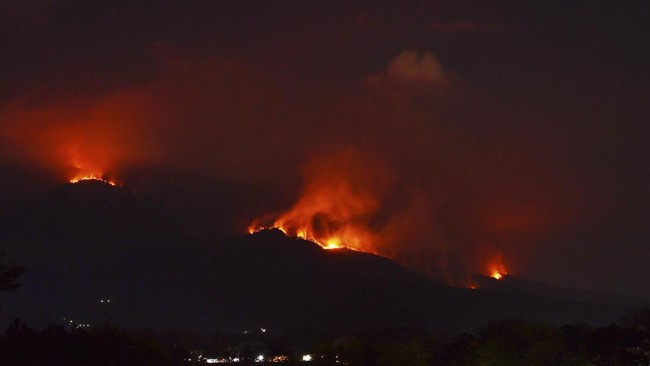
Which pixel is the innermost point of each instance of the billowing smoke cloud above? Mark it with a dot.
(507, 140)
(218, 116)
(414, 196)
(389, 167)
(99, 138)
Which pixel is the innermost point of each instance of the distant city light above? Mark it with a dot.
(307, 358)
(75, 325)
(216, 360)
(259, 358)
(263, 330)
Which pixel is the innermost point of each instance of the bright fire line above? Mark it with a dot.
(330, 244)
(92, 178)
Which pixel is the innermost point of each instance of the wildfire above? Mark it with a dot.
(327, 219)
(341, 195)
(328, 243)
(346, 203)
(497, 271)
(92, 177)
(88, 168)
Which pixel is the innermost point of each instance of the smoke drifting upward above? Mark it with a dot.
(382, 196)
(77, 138)
(398, 165)
(343, 194)
(194, 115)
(449, 137)
(415, 187)
(351, 199)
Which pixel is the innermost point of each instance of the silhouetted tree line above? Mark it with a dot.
(503, 342)
(104, 345)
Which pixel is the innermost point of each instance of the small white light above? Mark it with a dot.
(307, 358)
(260, 358)
(263, 330)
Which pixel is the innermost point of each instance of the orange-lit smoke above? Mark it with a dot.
(337, 205)
(417, 189)
(78, 139)
(496, 269)
(347, 202)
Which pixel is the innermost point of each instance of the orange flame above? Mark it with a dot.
(497, 270)
(80, 178)
(343, 205)
(87, 170)
(348, 237)
(336, 205)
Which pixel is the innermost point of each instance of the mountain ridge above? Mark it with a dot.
(87, 243)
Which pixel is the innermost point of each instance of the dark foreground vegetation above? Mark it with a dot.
(503, 342)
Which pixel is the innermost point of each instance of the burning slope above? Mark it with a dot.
(496, 269)
(78, 138)
(337, 206)
(98, 178)
(89, 168)
(345, 204)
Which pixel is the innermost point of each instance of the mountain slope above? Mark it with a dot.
(514, 284)
(86, 243)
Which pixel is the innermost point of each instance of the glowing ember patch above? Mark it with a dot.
(496, 275)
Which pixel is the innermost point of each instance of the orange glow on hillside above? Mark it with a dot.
(344, 205)
(88, 168)
(335, 206)
(497, 270)
(92, 177)
(329, 243)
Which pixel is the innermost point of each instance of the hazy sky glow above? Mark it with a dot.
(473, 131)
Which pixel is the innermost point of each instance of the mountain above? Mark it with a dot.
(513, 284)
(85, 244)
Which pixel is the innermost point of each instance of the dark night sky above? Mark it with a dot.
(518, 128)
